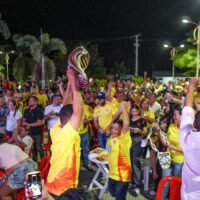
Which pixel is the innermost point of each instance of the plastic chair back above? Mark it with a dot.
(174, 187)
(21, 194)
(44, 167)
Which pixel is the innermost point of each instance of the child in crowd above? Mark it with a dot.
(118, 147)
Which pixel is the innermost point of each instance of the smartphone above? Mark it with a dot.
(34, 185)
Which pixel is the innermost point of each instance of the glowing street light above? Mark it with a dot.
(196, 35)
(7, 61)
(173, 53)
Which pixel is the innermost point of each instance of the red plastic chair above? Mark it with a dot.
(21, 194)
(46, 146)
(44, 167)
(174, 185)
(47, 149)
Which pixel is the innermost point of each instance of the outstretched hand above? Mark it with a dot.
(194, 81)
(125, 105)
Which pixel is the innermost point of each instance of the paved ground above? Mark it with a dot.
(87, 176)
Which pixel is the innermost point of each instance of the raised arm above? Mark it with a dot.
(76, 117)
(189, 97)
(60, 87)
(108, 94)
(126, 121)
(67, 98)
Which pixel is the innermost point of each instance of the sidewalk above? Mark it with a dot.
(86, 177)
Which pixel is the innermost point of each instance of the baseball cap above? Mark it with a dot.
(101, 95)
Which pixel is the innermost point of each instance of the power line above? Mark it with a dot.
(105, 40)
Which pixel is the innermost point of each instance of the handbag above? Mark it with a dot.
(164, 158)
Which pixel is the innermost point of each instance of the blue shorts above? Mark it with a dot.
(17, 178)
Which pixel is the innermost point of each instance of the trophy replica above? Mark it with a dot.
(78, 60)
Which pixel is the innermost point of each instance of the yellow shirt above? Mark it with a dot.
(65, 159)
(26, 96)
(149, 113)
(116, 102)
(173, 137)
(42, 100)
(119, 157)
(104, 114)
(88, 114)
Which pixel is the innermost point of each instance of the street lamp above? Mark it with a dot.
(173, 53)
(7, 61)
(196, 35)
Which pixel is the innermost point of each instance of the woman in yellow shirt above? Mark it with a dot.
(174, 146)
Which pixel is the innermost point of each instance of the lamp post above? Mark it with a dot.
(196, 35)
(173, 53)
(7, 62)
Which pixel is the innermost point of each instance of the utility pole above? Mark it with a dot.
(42, 60)
(136, 53)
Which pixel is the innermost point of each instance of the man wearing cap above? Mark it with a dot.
(103, 114)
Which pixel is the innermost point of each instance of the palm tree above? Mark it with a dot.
(45, 46)
(24, 64)
(29, 50)
(4, 30)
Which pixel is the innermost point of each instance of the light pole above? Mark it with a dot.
(173, 53)
(7, 62)
(196, 35)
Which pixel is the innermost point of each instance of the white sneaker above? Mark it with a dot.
(137, 190)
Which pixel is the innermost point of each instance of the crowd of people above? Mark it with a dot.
(131, 121)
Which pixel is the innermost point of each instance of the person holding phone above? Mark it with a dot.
(16, 165)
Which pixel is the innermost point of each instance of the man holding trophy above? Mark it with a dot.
(65, 159)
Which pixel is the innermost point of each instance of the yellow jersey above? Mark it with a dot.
(88, 114)
(65, 159)
(104, 114)
(116, 102)
(42, 100)
(119, 157)
(173, 137)
(151, 114)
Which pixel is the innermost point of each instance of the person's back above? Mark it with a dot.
(16, 165)
(10, 155)
(65, 159)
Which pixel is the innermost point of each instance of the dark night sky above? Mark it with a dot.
(156, 20)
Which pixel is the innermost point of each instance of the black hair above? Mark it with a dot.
(118, 121)
(172, 107)
(52, 98)
(179, 109)
(167, 121)
(135, 106)
(27, 128)
(65, 113)
(34, 98)
(15, 104)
